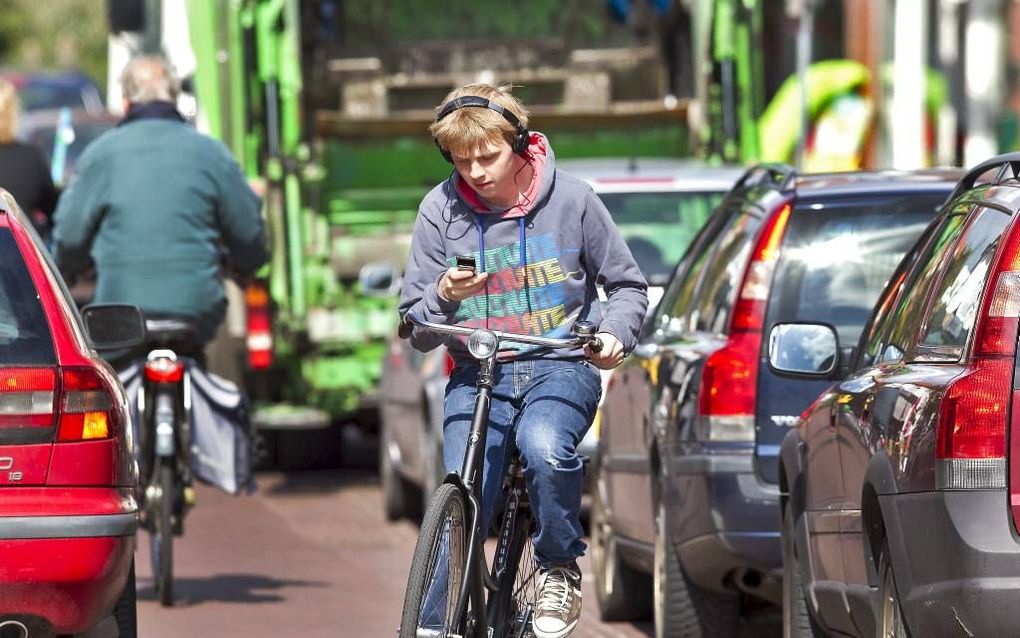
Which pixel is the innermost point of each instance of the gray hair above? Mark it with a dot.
(148, 79)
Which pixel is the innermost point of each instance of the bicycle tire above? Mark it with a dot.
(510, 609)
(447, 512)
(162, 539)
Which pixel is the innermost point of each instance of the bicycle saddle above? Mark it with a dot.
(169, 329)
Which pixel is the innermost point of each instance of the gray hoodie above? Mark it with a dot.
(544, 258)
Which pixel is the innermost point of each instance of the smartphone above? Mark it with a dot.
(465, 262)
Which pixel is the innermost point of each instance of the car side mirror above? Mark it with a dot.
(810, 349)
(114, 326)
(379, 279)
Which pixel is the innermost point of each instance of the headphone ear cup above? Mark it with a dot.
(442, 151)
(521, 140)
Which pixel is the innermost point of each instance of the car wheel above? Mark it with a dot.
(891, 623)
(622, 592)
(397, 500)
(797, 620)
(124, 612)
(683, 609)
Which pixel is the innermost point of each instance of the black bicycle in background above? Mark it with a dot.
(446, 589)
(164, 435)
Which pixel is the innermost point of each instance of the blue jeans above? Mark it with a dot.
(545, 407)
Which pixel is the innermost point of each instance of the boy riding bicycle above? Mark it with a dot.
(541, 240)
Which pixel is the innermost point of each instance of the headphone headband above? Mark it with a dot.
(466, 101)
(521, 136)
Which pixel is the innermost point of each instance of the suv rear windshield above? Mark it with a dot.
(837, 256)
(24, 331)
(658, 226)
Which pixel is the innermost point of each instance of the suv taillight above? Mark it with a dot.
(726, 397)
(971, 440)
(86, 406)
(260, 334)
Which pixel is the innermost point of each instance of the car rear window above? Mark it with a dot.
(658, 226)
(954, 305)
(24, 332)
(837, 256)
(673, 313)
(723, 272)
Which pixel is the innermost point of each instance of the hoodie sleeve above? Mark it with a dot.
(610, 264)
(419, 294)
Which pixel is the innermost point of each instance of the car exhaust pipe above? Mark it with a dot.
(13, 629)
(756, 583)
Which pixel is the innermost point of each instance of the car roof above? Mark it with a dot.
(876, 182)
(650, 174)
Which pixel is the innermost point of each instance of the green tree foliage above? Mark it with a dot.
(54, 34)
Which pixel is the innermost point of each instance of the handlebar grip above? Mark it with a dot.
(595, 345)
(404, 329)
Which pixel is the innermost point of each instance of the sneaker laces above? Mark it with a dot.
(556, 588)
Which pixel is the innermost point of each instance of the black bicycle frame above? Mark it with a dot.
(470, 482)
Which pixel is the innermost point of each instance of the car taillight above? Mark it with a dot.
(26, 398)
(726, 397)
(260, 334)
(971, 439)
(85, 406)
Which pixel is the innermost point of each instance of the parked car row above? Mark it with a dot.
(686, 504)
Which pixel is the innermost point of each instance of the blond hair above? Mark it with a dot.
(9, 107)
(468, 129)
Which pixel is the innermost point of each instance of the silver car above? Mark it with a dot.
(658, 205)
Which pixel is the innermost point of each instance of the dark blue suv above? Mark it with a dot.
(686, 472)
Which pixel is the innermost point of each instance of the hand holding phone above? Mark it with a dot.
(461, 280)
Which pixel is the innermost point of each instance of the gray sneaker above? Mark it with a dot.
(559, 601)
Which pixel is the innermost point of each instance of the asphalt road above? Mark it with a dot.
(308, 555)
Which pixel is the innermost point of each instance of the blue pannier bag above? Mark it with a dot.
(220, 433)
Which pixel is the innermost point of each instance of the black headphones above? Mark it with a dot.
(521, 137)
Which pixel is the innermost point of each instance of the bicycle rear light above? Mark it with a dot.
(164, 370)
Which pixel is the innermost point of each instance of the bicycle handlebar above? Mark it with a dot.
(579, 341)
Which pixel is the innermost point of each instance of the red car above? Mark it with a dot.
(68, 511)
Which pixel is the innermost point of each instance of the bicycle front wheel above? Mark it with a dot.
(438, 568)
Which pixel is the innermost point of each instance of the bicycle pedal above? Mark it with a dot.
(189, 496)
